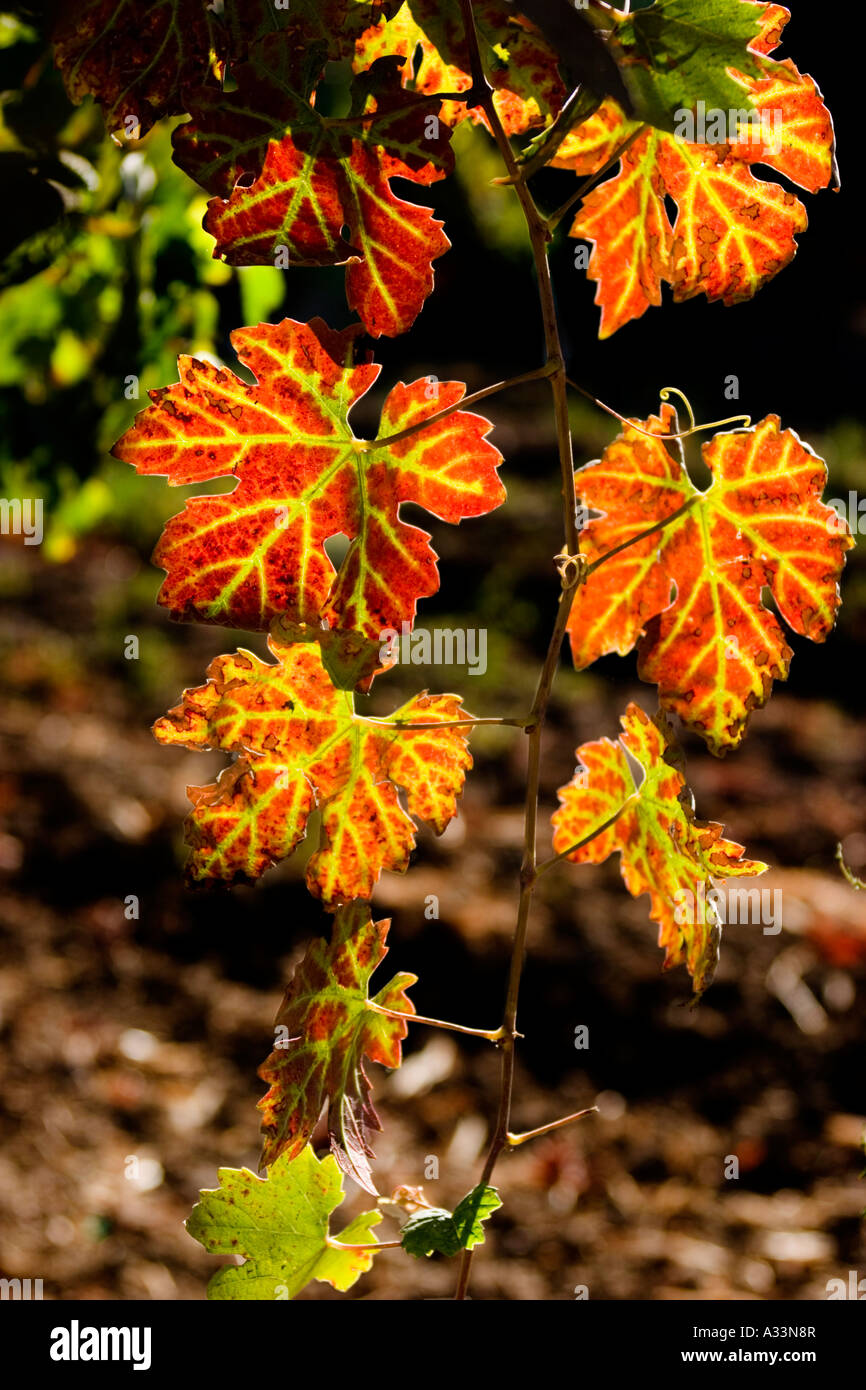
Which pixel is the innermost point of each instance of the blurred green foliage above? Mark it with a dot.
(108, 276)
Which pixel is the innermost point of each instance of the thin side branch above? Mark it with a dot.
(368, 445)
(744, 420)
(408, 724)
(378, 1245)
(641, 535)
(605, 825)
(847, 873)
(556, 217)
(515, 1139)
(493, 1035)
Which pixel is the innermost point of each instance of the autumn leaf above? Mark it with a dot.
(733, 232)
(300, 746)
(436, 1229)
(134, 59)
(243, 557)
(289, 181)
(664, 850)
(140, 61)
(689, 596)
(327, 1024)
(279, 1225)
(331, 25)
(520, 64)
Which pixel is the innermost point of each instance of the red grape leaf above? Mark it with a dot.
(520, 64)
(334, 25)
(327, 1024)
(733, 232)
(664, 850)
(300, 746)
(689, 596)
(139, 60)
(135, 59)
(244, 557)
(289, 181)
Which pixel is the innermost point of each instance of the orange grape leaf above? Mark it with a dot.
(243, 557)
(134, 59)
(733, 232)
(289, 181)
(300, 746)
(689, 596)
(327, 1024)
(521, 65)
(664, 850)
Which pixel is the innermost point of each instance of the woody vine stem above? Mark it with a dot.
(571, 575)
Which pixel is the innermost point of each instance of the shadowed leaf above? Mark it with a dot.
(289, 181)
(135, 59)
(329, 1025)
(521, 66)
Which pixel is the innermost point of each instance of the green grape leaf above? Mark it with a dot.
(679, 52)
(436, 1229)
(279, 1224)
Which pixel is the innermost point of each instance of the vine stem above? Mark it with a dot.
(641, 535)
(556, 217)
(743, 420)
(593, 834)
(493, 1035)
(536, 374)
(515, 1139)
(377, 1245)
(408, 724)
(571, 577)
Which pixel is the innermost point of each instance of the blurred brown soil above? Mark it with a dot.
(130, 1047)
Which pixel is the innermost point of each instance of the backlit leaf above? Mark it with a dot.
(675, 53)
(300, 746)
(289, 181)
(246, 556)
(279, 1224)
(326, 1026)
(664, 850)
(436, 1229)
(733, 232)
(689, 596)
(519, 62)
